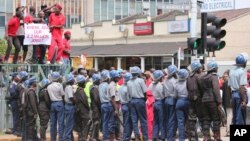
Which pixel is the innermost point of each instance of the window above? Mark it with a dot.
(97, 9)
(139, 6)
(153, 8)
(132, 7)
(125, 8)
(111, 12)
(104, 10)
(118, 9)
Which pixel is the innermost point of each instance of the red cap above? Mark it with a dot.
(67, 33)
(58, 6)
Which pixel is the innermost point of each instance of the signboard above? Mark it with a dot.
(178, 26)
(37, 34)
(217, 5)
(239, 4)
(143, 28)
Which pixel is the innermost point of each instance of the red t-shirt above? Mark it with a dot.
(28, 19)
(13, 25)
(66, 46)
(57, 20)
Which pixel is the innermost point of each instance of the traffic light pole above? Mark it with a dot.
(203, 33)
(193, 24)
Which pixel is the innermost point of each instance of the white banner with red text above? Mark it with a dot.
(37, 34)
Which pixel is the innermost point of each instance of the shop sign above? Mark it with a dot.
(178, 26)
(143, 28)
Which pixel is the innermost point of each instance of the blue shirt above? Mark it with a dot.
(136, 87)
(181, 89)
(169, 87)
(157, 90)
(123, 94)
(103, 92)
(237, 78)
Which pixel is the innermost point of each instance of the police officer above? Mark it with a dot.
(211, 100)
(238, 82)
(22, 76)
(106, 106)
(95, 106)
(125, 101)
(112, 93)
(13, 100)
(170, 101)
(44, 108)
(137, 90)
(182, 102)
(69, 107)
(194, 97)
(82, 109)
(56, 94)
(30, 109)
(157, 90)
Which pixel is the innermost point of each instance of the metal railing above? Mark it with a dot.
(40, 71)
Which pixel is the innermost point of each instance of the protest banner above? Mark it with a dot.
(37, 34)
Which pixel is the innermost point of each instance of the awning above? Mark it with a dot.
(129, 50)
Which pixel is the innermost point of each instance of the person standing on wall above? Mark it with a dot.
(56, 24)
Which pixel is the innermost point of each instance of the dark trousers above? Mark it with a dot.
(69, 125)
(12, 41)
(43, 49)
(195, 111)
(211, 115)
(16, 115)
(44, 120)
(159, 120)
(238, 113)
(127, 122)
(108, 120)
(171, 119)
(57, 116)
(181, 114)
(138, 112)
(31, 131)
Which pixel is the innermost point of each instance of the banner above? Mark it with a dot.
(217, 5)
(37, 34)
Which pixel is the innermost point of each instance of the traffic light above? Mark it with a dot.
(211, 26)
(193, 43)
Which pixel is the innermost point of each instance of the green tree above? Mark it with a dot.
(3, 46)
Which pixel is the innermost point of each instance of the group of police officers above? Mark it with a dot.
(84, 102)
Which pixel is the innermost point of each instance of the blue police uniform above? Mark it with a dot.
(170, 101)
(127, 122)
(159, 116)
(15, 108)
(107, 111)
(237, 78)
(136, 89)
(181, 107)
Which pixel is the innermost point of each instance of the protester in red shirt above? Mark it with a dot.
(66, 49)
(149, 104)
(10, 36)
(56, 23)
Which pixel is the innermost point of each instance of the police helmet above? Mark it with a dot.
(172, 69)
(105, 75)
(69, 78)
(158, 74)
(241, 59)
(55, 76)
(44, 83)
(212, 65)
(127, 76)
(195, 66)
(80, 79)
(22, 75)
(114, 73)
(96, 77)
(182, 74)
